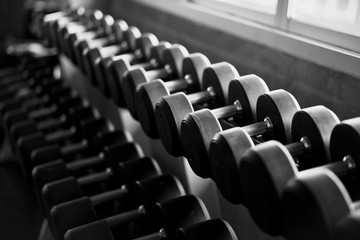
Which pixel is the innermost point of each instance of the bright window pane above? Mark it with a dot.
(338, 15)
(265, 6)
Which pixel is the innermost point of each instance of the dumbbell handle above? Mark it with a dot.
(110, 50)
(109, 195)
(82, 163)
(74, 148)
(178, 84)
(201, 97)
(163, 72)
(128, 216)
(346, 167)
(258, 128)
(95, 177)
(154, 236)
(43, 112)
(299, 148)
(50, 123)
(228, 111)
(60, 135)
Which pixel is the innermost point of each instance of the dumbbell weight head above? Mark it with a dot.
(274, 165)
(215, 229)
(141, 53)
(326, 195)
(172, 109)
(149, 94)
(319, 200)
(173, 58)
(227, 147)
(118, 67)
(117, 47)
(199, 128)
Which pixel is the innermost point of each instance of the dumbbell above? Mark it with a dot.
(63, 173)
(80, 45)
(275, 164)
(348, 228)
(141, 52)
(199, 128)
(49, 19)
(104, 28)
(274, 112)
(86, 129)
(76, 17)
(148, 94)
(96, 25)
(171, 110)
(142, 192)
(116, 69)
(52, 164)
(215, 229)
(22, 127)
(173, 57)
(115, 47)
(325, 196)
(124, 171)
(166, 217)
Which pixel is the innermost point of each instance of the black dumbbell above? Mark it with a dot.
(58, 171)
(80, 45)
(274, 165)
(23, 128)
(55, 165)
(173, 57)
(115, 47)
(164, 217)
(143, 192)
(96, 23)
(326, 196)
(98, 28)
(116, 69)
(141, 52)
(215, 229)
(81, 134)
(70, 188)
(274, 113)
(171, 110)
(199, 128)
(148, 94)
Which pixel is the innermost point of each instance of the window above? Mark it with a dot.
(336, 22)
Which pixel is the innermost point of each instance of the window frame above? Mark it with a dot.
(312, 50)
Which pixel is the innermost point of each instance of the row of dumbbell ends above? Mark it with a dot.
(87, 174)
(220, 143)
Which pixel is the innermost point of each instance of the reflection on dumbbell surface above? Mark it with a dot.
(214, 229)
(116, 69)
(143, 192)
(271, 165)
(149, 94)
(164, 217)
(199, 128)
(326, 196)
(172, 109)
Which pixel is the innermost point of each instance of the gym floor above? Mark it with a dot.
(20, 216)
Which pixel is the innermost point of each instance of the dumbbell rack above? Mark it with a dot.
(122, 120)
